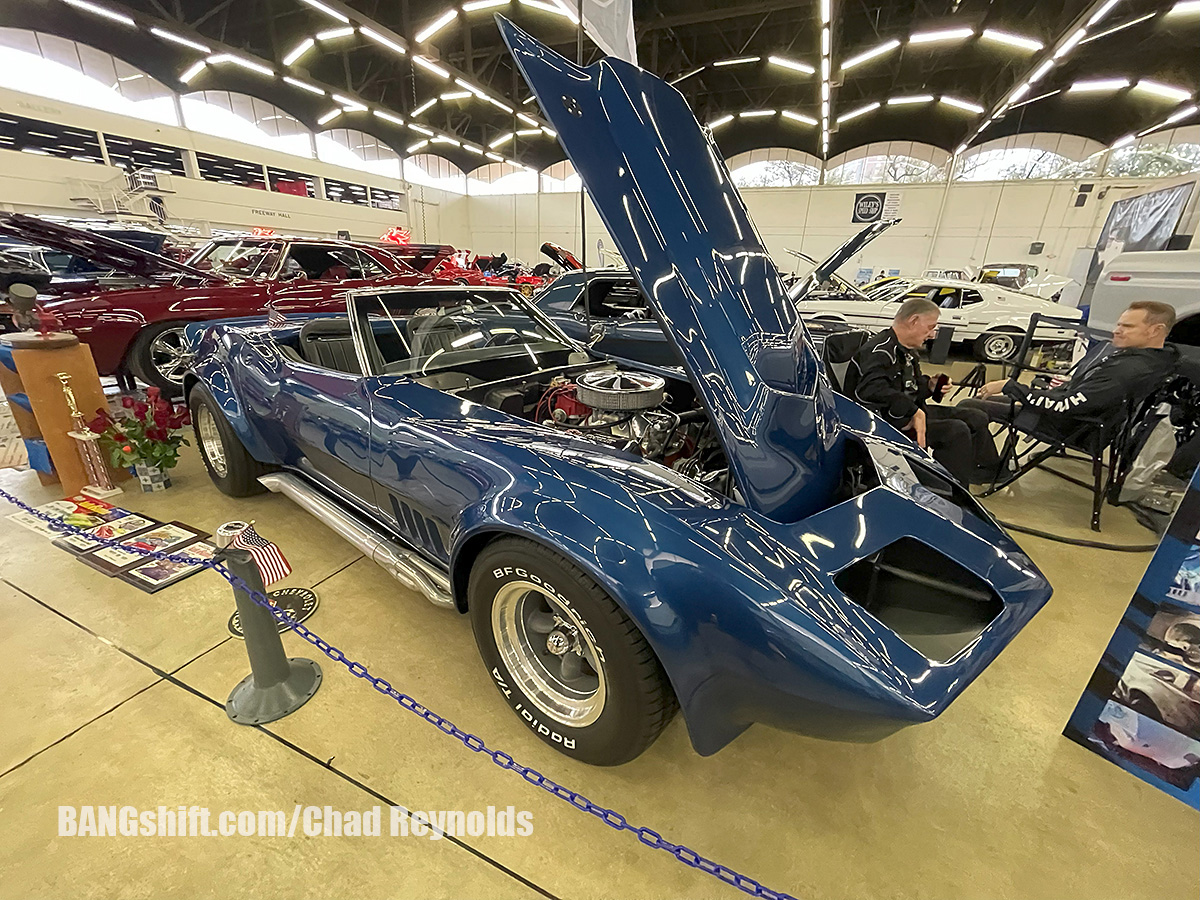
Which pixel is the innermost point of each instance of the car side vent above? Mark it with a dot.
(420, 530)
(935, 605)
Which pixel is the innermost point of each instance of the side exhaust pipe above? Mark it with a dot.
(397, 560)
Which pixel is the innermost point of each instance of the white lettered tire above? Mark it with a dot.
(564, 656)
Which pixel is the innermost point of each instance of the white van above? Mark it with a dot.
(1168, 276)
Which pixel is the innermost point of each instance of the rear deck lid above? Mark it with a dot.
(666, 197)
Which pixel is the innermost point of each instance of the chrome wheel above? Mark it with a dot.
(168, 355)
(210, 441)
(999, 346)
(549, 652)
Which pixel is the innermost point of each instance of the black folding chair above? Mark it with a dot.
(1084, 438)
(839, 349)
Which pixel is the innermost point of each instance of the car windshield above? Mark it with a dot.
(421, 331)
(889, 290)
(241, 259)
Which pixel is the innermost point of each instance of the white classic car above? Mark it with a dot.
(990, 317)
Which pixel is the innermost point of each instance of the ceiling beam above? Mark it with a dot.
(719, 14)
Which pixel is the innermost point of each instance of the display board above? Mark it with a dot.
(1141, 708)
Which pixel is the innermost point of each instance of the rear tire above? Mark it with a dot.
(230, 466)
(997, 346)
(564, 656)
(157, 357)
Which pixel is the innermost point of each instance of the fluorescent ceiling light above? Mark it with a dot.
(179, 39)
(961, 104)
(824, 90)
(423, 107)
(381, 40)
(961, 148)
(1099, 84)
(1185, 8)
(1020, 91)
(824, 109)
(883, 48)
(551, 8)
(1116, 28)
(946, 34)
(737, 61)
(528, 132)
(497, 157)
(442, 139)
(430, 66)
(192, 71)
(387, 117)
(298, 51)
(1180, 114)
(329, 116)
(855, 113)
(1040, 72)
(478, 92)
(1128, 139)
(455, 95)
(915, 98)
(825, 11)
(347, 103)
(304, 85)
(549, 132)
(473, 149)
(1037, 98)
(333, 13)
(1162, 90)
(420, 129)
(243, 62)
(503, 139)
(504, 106)
(103, 12)
(825, 41)
(529, 120)
(699, 70)
(1098, 15)
(436, 25)
(334, 33)
(483, 4)
(777, 61)
(723, 120)
(756, 113)
(419, 145)
(797, 117)
(825, 68)
(1069, 44)
(1012, 40)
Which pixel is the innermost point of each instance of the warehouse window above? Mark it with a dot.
(1160, 155)
(502, 178)
(131, 154)
(358, 150)
(34, 62)
(47, 139)
(382, 199)
(1020, 157)
(435, 171)
(774, 167)
(889, 162)
(346, 192)
(247, 119)
(230, 171)
(285, 181)
(560, 178)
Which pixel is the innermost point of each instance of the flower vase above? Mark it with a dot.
(152, 478)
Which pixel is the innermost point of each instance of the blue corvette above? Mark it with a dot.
(732, 539)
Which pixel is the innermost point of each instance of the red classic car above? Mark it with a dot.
(140, 330)
(457, 266)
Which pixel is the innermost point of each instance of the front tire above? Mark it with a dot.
(564, 656)
(997, 346)
(158, 356)
(230, 466)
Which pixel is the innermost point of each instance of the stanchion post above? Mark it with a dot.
(277, 685)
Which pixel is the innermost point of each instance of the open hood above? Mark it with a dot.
(561, 256)
(838, 258)
(96, 247)
(838, 280)
(666, 197)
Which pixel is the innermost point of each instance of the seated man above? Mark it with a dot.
(1140, 362)
(885, 376)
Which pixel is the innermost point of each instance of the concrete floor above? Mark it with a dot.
(112, 696)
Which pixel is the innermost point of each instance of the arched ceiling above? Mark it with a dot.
(418, 70)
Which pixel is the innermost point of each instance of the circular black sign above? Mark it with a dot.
(297, 602)
(868, 207)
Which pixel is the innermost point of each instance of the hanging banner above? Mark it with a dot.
(1141, 708)
(609, 23)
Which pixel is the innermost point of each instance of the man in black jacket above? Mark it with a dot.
(885, 376)
(1140, 361)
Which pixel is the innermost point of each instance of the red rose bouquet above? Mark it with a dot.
(148, 436)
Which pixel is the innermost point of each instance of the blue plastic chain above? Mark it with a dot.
(609, 817)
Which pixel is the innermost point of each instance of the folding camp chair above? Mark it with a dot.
(839, 349)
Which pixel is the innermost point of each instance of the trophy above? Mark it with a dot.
(100, 483)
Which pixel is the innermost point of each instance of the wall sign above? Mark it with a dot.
(871, 206)
(1141, 708)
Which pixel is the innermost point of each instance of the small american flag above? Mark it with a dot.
(275, 318)
(270, 559)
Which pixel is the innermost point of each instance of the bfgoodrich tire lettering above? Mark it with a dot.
(230, 466)
(564, 656)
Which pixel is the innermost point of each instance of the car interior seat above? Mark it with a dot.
(429, 334)
(328, 343)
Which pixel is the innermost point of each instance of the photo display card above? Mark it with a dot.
(166, 538)
(155, 574)
(81, 511)
(119, 527)
(1141, 708)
